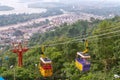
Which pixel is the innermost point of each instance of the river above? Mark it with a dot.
(19, 8)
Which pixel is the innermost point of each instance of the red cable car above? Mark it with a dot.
(46, 67)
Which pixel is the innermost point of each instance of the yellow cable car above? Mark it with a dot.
(81, 61)
(45, 66)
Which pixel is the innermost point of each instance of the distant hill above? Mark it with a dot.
(5, 8)
(24, 1)
(105, 11)
(46, 5)
(38, 1)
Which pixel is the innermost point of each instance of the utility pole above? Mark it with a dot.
(0, 62)
(19, 48)
(13, 71)
(14, 74)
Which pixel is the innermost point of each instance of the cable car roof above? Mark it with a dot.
(45, 60)
(83, 55)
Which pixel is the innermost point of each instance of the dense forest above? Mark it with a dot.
(62, 45)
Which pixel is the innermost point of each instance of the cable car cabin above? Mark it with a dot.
(81, 61)
(46, 67)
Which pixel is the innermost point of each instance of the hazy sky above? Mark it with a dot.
(9, 1)
(13, 2)
(16, 4)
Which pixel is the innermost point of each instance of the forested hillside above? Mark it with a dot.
(62, 45)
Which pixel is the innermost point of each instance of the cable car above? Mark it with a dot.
(81, 60)
(45, 66)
